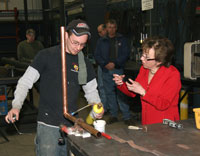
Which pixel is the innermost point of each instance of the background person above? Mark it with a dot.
(48, 67)
(158, 82)
(102, 30)
(111, 54)
(27, 49)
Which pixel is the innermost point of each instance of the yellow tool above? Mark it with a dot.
(97, 109)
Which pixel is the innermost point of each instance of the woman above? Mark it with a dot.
(158, 82)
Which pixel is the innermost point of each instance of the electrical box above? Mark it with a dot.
(3, 101)
(192, 60)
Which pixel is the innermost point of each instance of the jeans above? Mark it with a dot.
(47, 141)
(114, 96)
(101, 89)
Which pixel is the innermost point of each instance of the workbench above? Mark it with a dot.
(159, 140)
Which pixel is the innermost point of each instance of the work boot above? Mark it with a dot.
(112, 120)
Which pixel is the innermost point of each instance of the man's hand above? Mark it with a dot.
(100, 115)
(110, 66)
(13, 112)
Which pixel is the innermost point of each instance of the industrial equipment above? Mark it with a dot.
(192, 60)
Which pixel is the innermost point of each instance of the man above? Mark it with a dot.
(102, 33)
(28, 48)
(111, 54)
(102, 30)
(47, 67)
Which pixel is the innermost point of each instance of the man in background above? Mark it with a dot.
(102, 30)
(28, 48)
(112, 52)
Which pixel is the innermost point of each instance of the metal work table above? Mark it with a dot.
(160, 140)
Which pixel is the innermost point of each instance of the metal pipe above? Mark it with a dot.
(64, 83)
(64, 69)
(82, 124)
(62, 12)
(26, 13)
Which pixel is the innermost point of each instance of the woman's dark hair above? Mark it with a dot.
(164, 49)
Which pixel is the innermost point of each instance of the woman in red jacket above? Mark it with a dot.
(158, 82)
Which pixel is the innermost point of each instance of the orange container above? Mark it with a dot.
(197, 117)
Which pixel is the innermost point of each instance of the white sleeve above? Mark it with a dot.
(91, 92)
(25, 83)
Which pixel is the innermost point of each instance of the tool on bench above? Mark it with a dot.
(143, 128)
(134, 127)
(64, 129)
(106, 136)
(80, 109)
(173, 124)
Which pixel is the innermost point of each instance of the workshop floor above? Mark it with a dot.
(23, 144)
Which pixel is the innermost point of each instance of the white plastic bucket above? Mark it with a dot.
(99, 125)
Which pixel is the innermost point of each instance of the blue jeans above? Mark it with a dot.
(114, 96)
(47, 142)
(101, 89)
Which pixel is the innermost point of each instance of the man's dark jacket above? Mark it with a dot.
(102, 52)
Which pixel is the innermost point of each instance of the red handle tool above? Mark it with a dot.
(106, 135)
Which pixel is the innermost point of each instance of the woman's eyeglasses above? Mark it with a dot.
(146, 57)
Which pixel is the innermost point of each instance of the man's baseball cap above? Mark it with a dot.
(79, 28)
(30, 31)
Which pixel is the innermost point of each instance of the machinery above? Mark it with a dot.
(192, 60)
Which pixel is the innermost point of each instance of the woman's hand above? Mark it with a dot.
(118, 79)
(135, 87)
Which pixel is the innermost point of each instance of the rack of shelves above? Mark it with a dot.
(8, 33)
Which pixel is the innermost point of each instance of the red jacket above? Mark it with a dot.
(162, 94)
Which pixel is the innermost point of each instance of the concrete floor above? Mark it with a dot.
(19, 145)
(23, 145)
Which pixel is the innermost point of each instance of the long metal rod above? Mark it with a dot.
(17, 129)
(82, 124)
(64, 69)
(81, 109)
(64, 84)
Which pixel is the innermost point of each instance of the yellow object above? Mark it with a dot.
(97, 109)
(184, 106)
(197, 117)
